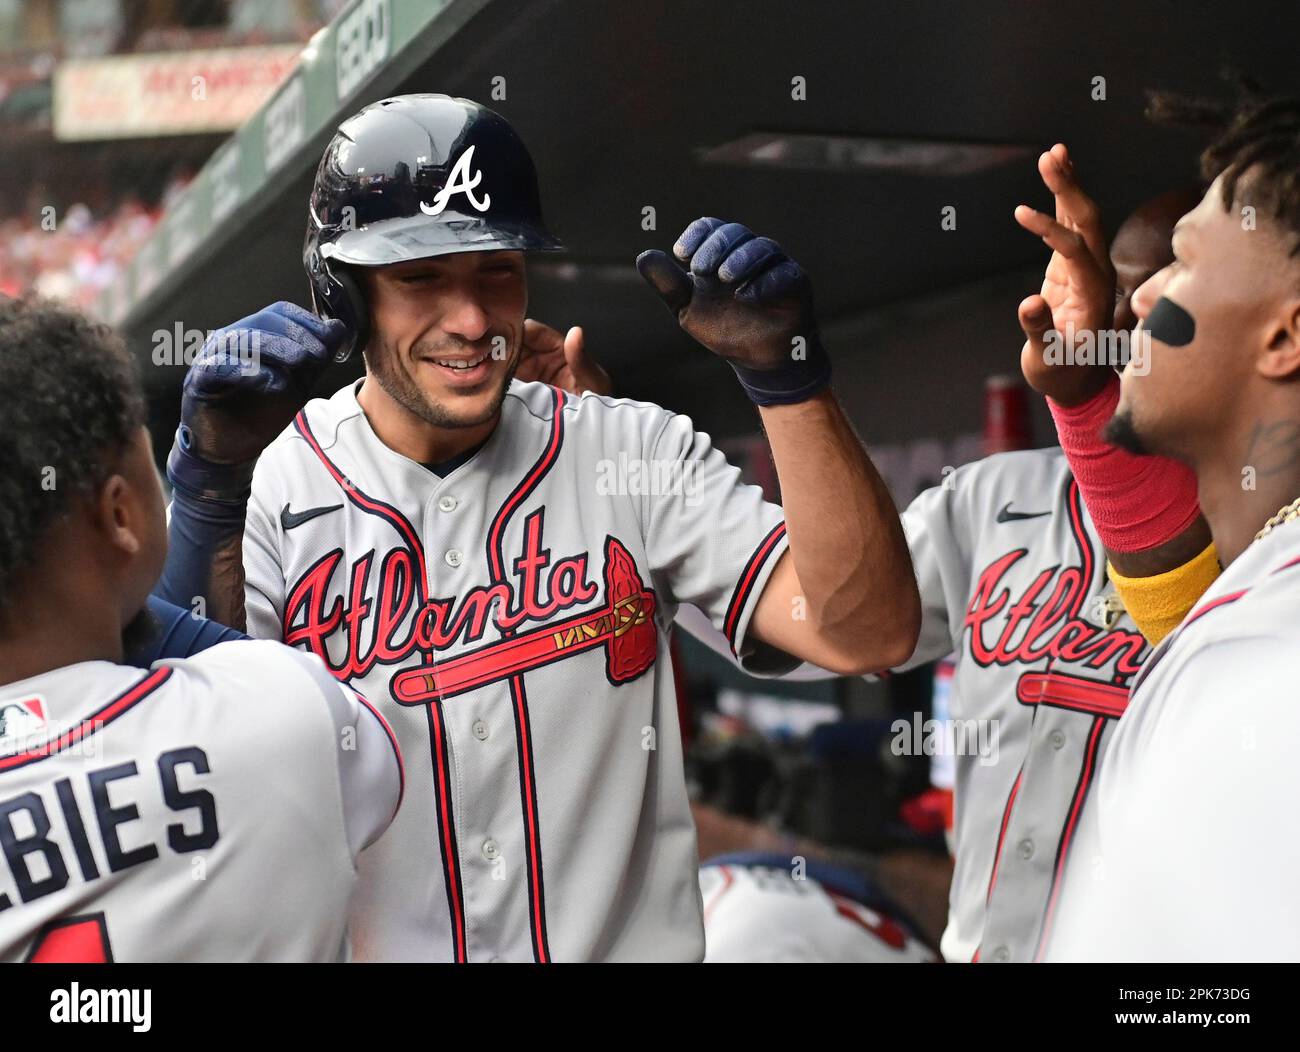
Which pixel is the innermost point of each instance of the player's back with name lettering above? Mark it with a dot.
(191, 812)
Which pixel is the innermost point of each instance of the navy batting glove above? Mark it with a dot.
(746, 301)
(243, 388)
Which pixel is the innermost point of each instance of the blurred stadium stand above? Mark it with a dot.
(81, 194)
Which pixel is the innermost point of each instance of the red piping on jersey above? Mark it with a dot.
(1002, 832)
(367, 503)
(1196, 615)
(1067, 835)
(397, 750)
(1088, 559)
(523, 729)
(997, 852)
(93, 723)
(532, 823)
(437, 744)
(1214, 604)
(451, 850)
(746, 583)
(1232, 597)
(1074, 696)
(727, 880)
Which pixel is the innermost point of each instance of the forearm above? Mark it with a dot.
(204, 571)
(1164, 557)
(1144, 510)
(846, 541)
(205, 568)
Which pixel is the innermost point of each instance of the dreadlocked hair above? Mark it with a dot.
(1255, 149)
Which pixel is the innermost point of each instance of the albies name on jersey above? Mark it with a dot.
(104, 802)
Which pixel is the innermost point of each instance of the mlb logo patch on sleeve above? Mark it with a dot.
(20, 721)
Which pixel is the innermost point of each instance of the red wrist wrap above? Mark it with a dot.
(1136, 502)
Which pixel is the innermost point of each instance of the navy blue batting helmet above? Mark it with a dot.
(412, 177)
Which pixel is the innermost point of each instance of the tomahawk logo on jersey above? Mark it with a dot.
(512, 617)
(146, 816)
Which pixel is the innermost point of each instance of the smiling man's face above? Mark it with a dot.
(447, 333)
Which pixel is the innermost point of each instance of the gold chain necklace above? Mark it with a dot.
(1284, 514)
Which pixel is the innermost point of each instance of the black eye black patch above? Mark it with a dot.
(1170, 324)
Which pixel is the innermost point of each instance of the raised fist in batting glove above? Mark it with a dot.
(243, 388)
(746, 301)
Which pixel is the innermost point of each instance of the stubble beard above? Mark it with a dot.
(401, 387)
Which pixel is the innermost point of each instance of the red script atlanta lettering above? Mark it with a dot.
(374, 628)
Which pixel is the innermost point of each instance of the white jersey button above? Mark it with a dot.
(480, 730)
(1002, 954)
(454, 557)
(491, 850)
(1057, 739)
(448, 503)
(1026, 849)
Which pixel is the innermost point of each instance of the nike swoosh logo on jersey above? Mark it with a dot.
(290, 519)
(1005, 514)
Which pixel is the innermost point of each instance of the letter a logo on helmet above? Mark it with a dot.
(459, 182)
(413, 177)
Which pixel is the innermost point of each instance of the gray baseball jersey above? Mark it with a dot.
(1013, 581)
(1186, 851)
(511, 619)
(210, 809)
(763, 914)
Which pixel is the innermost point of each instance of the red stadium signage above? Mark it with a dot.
(169, 93)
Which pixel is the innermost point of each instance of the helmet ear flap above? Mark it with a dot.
(336, 293)
(359, 322)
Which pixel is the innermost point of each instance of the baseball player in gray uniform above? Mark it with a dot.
(210, 808)
(1186, 853)
(497, 563)
(1012, 577)
(1013, 581)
